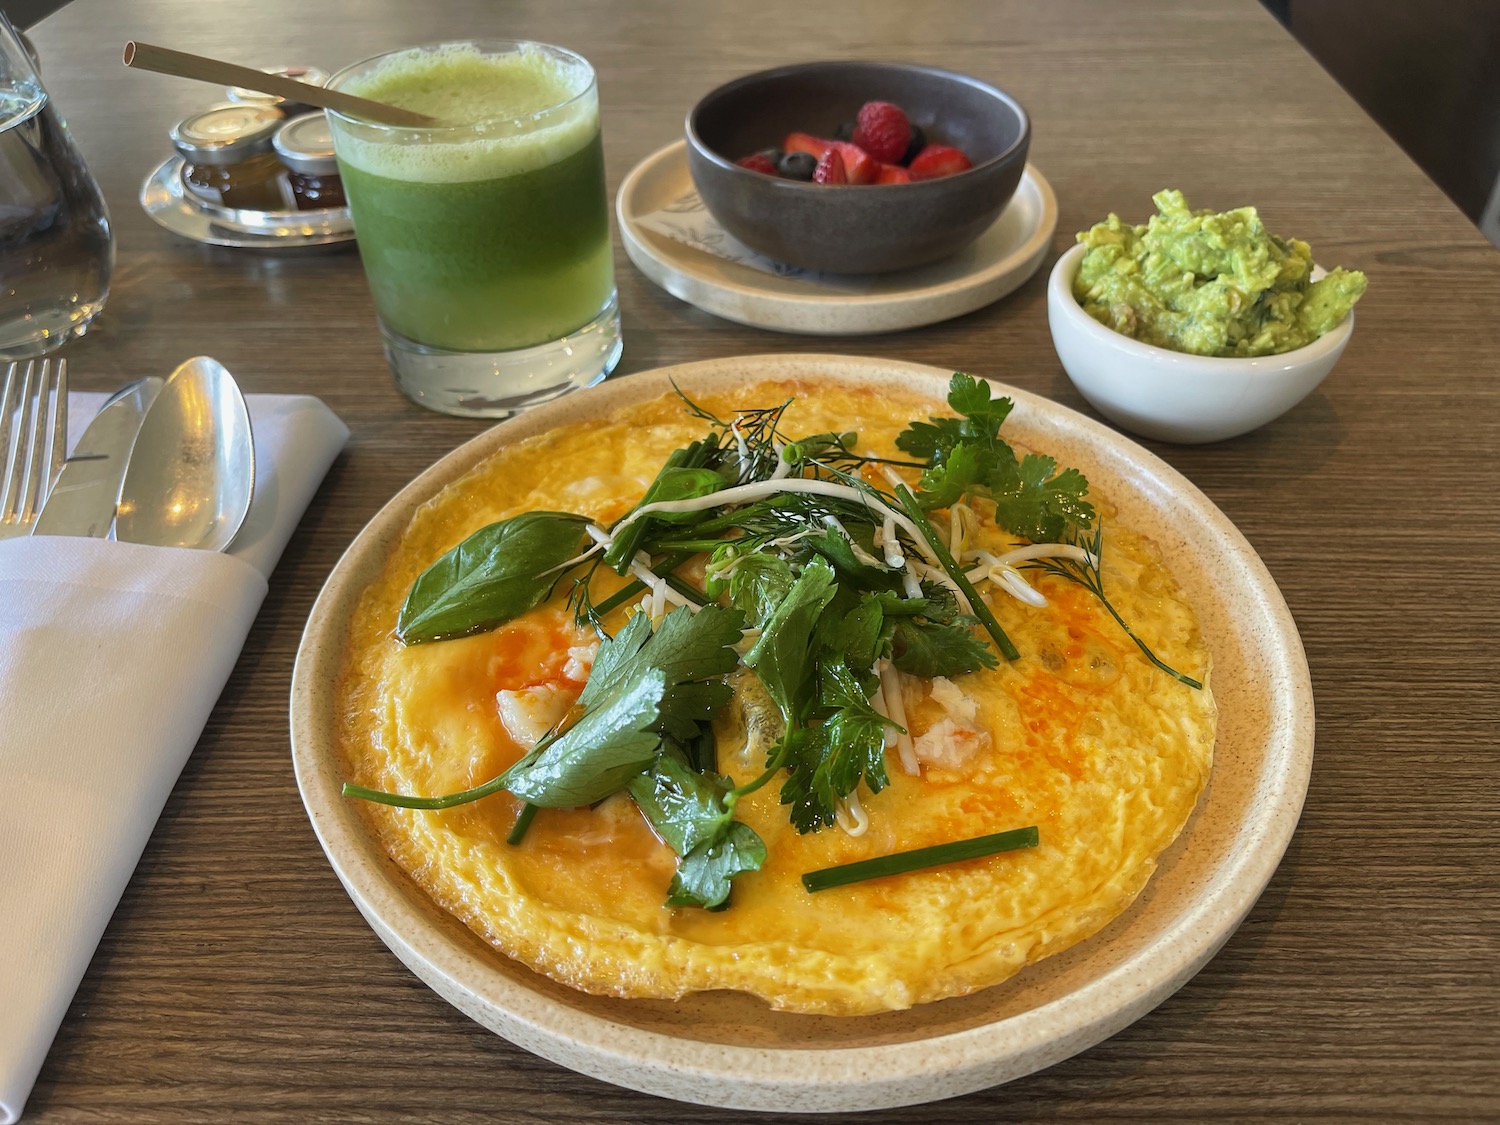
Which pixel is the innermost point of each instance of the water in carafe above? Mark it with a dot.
(55, 247)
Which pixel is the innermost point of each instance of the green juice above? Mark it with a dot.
(493, 234)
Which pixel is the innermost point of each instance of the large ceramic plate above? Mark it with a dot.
(729, 1050)
(996, 263)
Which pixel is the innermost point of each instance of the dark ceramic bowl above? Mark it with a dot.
(872, 228)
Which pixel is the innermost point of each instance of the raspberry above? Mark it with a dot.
(830, 169)
(881, 129)
(757, 162)
(938, 160)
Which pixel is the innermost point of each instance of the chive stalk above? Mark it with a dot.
(898, 863)
(523, 822)
(940, 549)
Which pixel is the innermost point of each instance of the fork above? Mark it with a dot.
(33, 439)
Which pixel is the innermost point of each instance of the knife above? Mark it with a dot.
(83, 500)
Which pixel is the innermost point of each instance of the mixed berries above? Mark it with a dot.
(880, 146)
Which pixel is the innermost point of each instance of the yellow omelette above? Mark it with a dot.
(1082, 737)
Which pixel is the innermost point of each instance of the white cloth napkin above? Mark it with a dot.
(112, 656)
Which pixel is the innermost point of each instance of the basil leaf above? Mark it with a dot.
(492, 577)
(599, 754)
(704, 874)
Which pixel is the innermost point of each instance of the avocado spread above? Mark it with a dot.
(1209, 283)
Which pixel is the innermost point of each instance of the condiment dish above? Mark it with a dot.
(855, 229)
(1175, 396)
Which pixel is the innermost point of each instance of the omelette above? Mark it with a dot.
(639, 829)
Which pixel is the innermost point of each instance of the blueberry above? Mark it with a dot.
(918, 143)
(796, 166)
(771, 154)
(844, 132)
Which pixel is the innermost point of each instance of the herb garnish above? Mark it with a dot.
(898, 863)
(839, 581)
(492, 577)
(1086, 574)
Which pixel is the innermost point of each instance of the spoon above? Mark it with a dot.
(192, 473)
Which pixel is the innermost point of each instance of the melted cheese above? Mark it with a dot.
(1082, 737)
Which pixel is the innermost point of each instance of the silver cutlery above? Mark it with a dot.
(191, 474)
(83, 500)
(33, 439)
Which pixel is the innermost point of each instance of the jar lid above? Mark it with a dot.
(227, 134)
(309, 74)
(305, 144)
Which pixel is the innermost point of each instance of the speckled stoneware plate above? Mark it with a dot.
(996, 263)
(729, 1050)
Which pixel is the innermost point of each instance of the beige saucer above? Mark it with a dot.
(729, 1050)
(999, 261)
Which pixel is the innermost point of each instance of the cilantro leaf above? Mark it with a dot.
(927, 648)
(965, 455)
(694, 652)
(704, 874)
(492, 577)
(783, 656)
(964, 469)
(855, 626)
(643, 685)
(758, 584)
(686, 808)
(1032, 502)
(829, 761)
(612, 743)
(980, 419)
(971, 397)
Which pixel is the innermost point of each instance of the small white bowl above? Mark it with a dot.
(1174, 396)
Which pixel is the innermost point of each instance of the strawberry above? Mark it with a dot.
(881, 129)
(806, 142)
(938, 160)
(830, 169)
(757, 162)
(892, 174)
(858, 165)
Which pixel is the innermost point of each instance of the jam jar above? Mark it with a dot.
(305, 146)
(309, 74)
(229, 158)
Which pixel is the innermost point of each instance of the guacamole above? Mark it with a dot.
(1209, 283)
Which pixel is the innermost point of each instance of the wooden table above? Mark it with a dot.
(237, 980)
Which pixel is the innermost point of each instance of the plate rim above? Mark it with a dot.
(810, 1079)
(833, 313)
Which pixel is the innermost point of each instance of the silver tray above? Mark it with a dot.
(168, 202)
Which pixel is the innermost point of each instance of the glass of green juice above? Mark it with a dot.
(485, 237)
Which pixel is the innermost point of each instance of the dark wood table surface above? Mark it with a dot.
(236, 979)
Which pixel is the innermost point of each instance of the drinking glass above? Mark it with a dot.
(56, 250)
(485, 238)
